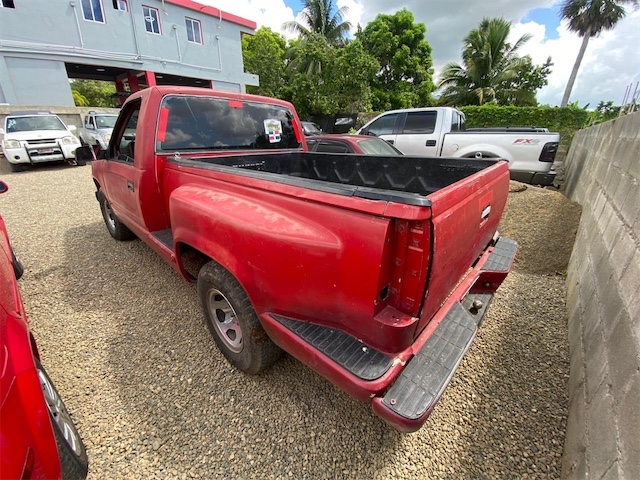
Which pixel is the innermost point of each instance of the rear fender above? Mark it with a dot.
(248, 235)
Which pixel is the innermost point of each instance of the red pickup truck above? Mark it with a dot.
(374, 271)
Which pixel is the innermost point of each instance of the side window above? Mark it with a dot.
(90, 122)
(7, 4)
(332, 147)
(121, 5)
(420, 122)
(384, 125)
(151, 19)
(194, 30)
(311, 144)
(123, 148)
(92, 10)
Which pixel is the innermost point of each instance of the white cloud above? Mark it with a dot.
(269, 13)
(354, 13)
(611, 62)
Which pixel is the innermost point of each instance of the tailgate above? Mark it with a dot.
(465, 216)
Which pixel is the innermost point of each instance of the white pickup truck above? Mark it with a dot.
(97, 128)
(440, 132)
(30, 137)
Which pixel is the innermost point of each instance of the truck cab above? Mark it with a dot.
(97, 128)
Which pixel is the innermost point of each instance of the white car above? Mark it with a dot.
(33, 137)
(97, 129)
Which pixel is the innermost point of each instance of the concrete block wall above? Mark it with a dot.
(603, 302)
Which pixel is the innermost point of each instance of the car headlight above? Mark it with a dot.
(11, 144)
(68, 140)
(106, 137)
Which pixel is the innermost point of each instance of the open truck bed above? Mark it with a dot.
(400, 179)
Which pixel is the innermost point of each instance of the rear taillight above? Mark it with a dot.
(549, 152)
(409, 265)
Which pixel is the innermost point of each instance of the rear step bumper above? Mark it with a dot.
(412, 397)
(405, 388)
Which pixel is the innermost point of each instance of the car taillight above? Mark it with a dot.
(549, 152)
(297, 129)
(409, 265)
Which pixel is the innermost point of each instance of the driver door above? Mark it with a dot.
(120, 171)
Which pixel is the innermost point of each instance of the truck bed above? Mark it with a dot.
(401, 179)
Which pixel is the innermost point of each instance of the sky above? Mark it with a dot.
(610, 65)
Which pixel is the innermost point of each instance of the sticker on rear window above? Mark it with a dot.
(273, 129)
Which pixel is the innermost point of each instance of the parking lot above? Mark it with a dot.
(122, 336)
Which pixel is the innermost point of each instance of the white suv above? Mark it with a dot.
(32, 137)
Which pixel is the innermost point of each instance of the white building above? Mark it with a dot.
(133, 43)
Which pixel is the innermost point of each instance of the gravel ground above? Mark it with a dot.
(123, 338)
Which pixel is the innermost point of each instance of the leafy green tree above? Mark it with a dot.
(79, 99)
(405, 78)
(588, 18)
(604, 112)
(340, 86)
(491, 69)
(96, 93)
(264, 56)
(321, 17)
(528, 78)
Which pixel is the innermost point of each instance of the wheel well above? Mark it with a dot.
(191, 260)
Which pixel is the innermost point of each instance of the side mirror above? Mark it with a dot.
(73, 129)
(84, 154)
(3, 187)
(88, 126)
(1, 131)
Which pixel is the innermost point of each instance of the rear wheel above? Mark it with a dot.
(71, 450)
(233, 322)
(116, 228)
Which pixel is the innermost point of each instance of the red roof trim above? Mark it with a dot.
(214, 12)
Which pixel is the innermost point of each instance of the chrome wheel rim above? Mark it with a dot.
(225, 321)
(59, 414)
(109, 216)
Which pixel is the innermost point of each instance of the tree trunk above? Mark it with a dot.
(574, 72)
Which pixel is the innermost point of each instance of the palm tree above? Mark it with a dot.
(588, 18)
(489, 63)
(318, 16)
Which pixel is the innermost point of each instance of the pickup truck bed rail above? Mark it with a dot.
(400, 179)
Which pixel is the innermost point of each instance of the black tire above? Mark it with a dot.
(227, 309)
(116, 228)
(18, 268)
(74, 462)
(16, 167)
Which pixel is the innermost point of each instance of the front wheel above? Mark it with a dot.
(116, 228)
(233, 322)
(71, 450)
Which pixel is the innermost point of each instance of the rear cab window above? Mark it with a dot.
(197, 123)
